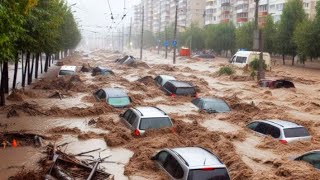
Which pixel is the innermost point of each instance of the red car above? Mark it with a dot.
(279, 83)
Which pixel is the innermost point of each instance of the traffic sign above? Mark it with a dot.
(174, 43)
(166, 43)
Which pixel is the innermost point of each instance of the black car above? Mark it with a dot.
(102, 71)
(312, 157)
(179, 88)
(211, 105)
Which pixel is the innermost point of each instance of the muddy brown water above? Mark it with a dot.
(246, 155)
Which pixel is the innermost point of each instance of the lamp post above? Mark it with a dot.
(175, 34)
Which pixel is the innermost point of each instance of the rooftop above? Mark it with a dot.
(115, 92)
(198, 157)
(150, 112)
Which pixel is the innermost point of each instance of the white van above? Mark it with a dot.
(67, 70)
(243, 58)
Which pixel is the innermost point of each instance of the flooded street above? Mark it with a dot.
(65, 111)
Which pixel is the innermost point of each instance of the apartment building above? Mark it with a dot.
(137, 16)
(161, 13)
(242, 11)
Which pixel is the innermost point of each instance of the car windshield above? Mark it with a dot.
(218, 106)
(185, 91)
(119, 101)
(155, 123)
(66, 72)
(217, 174)
(296, 132)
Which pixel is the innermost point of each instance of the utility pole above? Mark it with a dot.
(166, 37)
(159, 42)
(175, 33)
(122, 45)
(142, 24)
(130, 33)
(258, 43)
(119, 40)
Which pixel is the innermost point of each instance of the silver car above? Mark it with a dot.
(162, 79)
(191, 163)
(312, 157)
(284, 131)
(141, 119)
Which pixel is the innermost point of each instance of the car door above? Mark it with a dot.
(126, 116)
(261, 129)
(173, 168)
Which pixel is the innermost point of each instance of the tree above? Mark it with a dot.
(269, 35)
(194, 36)
(244, 36)
(292, 14)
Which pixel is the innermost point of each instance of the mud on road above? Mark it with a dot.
(78, 118)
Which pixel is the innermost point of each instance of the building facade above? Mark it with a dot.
(242, 11)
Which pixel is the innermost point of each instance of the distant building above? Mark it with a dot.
(242, 11)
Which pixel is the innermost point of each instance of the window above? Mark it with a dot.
(253, 125)
(172, 166)
(262, 128)
(161, 157)
(241, 59)
(272, 7)
(296, 132)
(127, 114)
(119, 101)
(66, 72)
(185, 91)
(312, 158)
(220, 173)
(306, 5)
(154, 123)
(132, 118)
(101, 94)
(196, 102)
(273, 131)
(216, 105)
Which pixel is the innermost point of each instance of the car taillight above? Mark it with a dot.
(173, 95)
(197, 95)
(207, 169)
(173, 129)
(136, 132)
(283, 141)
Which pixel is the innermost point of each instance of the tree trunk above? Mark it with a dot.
(2, 97)
(293, 60)
(6, 77)
(41, 63)
(46, 63)
(37, 66)
(16, 65)
(283, 59)
(25, 70)
(31, 71)
(49, 61)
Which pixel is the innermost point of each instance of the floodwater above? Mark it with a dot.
(86, 124)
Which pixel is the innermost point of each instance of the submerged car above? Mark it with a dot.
(67, 70)
(115, 97)
(191, 163)
(126, 60)
(162, 79)
(211, 105)
(179, 88)
(280, 83)
(101, 71)
(284, 131)
(141, 119)
(312, 157)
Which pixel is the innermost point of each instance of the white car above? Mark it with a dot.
(67, 70)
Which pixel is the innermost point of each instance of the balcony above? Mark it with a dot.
(242, 2)
(244, 19)
(225, 20)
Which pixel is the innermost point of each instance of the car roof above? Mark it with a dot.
(281, 123)
(180, 83)
(167, 77)
(150, 112)
(115, 92)
(247, 53)
(211, 99)
(68, 68)
(196, 157)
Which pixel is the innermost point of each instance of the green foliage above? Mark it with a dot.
(244, 36)
(269, 35)
(226, 70)
(254, 65)
(221, 37)
(194, 36)
(292, 14)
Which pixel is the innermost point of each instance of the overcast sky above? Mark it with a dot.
(94, 14)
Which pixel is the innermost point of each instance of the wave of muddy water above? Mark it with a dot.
(246, 155)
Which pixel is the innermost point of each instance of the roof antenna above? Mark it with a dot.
(205, 159)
